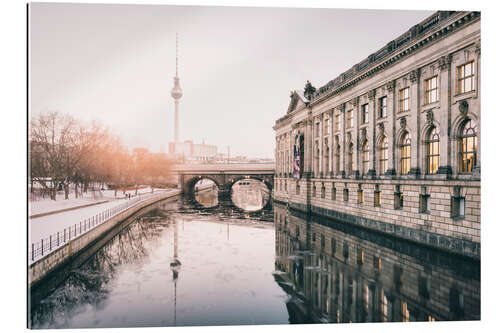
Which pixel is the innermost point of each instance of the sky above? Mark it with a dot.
(115, 64)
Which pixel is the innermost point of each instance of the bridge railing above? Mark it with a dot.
(44, 246)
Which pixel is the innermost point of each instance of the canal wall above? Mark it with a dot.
(354, 202)
(39, 270)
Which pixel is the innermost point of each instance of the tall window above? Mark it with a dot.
(349, 119)
(468, 142)
(431, 90)
(326, 129)
(364, 114)
(337, 122)
(404, 99)
(382, 107)
(405, 153)
(432, 151)
(465, 74)
(316, 134)
(383, 155)
(365, 155)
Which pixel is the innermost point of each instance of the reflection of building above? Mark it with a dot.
(393, 143)
(346, 274)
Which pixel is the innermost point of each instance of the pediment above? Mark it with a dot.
(296, 101)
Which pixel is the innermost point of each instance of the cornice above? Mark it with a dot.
(397, 50)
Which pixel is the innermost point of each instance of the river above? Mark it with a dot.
(182, 264)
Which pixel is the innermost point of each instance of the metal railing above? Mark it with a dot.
(47, 245)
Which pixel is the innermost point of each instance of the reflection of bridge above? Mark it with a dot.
(223, 175)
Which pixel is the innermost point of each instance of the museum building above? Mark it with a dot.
(393, 143)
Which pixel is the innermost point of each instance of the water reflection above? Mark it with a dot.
(90, 285)
(339, 274)
(206, 193)
(169, 269)
(250, 194)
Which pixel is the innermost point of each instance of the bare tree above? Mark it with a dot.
(58, 143)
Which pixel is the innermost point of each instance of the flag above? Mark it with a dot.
(296, 159)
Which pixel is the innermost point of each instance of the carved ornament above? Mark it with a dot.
(429, 115)
(371, 94)
(402, 122)
(381, 128)
(414, 74)
(463, 107)
(390, 86)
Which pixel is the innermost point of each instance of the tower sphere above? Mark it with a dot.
(176, 91)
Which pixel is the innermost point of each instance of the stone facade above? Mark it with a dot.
(393, 143)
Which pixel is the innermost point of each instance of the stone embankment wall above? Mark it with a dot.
(59, 257)
(340, 200)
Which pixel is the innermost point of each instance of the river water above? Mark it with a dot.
(182, 264)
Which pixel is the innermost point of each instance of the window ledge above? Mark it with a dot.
(465, 94)
(436, 103)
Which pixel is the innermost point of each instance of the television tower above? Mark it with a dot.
(176, 90)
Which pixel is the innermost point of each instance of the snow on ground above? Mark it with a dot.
(45, 226)
(46, 205)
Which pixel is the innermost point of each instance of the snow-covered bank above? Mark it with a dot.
(46, 205)
(48, 226)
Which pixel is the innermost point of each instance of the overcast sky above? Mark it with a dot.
(115, 64)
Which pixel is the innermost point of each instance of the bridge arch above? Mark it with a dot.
(259, 178)
(263, 180)
(190, 182)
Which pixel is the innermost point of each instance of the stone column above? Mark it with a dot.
(343, 142)
(372, 134)
(389, 128)
(308, 145)
(414, 122)
(320, 145)
(290, 148)
(332, 144)
(477, 169)
(355, 137)
(444, 116)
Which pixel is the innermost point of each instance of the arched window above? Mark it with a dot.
(432, 145)
(405, 153)
(468, 142)
(365, 155)
(350, 160)
(383, 155)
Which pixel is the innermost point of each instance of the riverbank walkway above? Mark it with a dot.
(55, 226)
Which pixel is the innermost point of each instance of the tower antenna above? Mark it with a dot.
(176, 91)
(177, 54)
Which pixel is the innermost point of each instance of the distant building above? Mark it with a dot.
(193, 152)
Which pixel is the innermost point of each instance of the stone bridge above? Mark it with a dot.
(223, 175)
